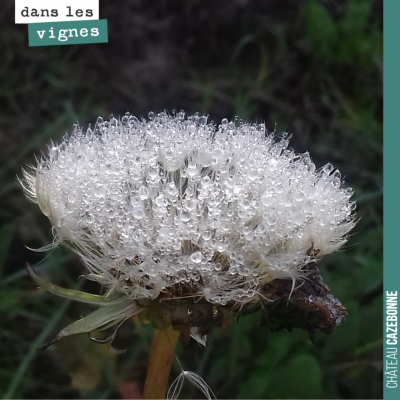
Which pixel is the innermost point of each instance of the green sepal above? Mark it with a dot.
(100, 319)
(105, 316)
(71, 294)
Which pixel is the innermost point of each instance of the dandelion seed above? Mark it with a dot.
(191, 224)
(109, 194)
(196, 380)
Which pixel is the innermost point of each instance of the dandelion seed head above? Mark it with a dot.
(175, 200)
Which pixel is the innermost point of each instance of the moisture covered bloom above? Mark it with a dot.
(175, 208)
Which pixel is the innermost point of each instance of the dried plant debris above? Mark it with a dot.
(310, 306)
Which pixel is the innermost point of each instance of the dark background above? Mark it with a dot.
(312, 68)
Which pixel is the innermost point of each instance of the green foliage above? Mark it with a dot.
(349, 39)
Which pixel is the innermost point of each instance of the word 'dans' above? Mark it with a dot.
(27, 12)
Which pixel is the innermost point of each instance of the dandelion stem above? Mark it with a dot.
(161, 355)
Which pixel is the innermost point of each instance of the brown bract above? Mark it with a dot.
(310, 306)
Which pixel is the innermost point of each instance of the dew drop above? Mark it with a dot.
(202, 120)
(252, 175)
(328, 168)
(267, 199)
(143, 193)
(153, 172)
(192, 170)
(196, 257)
(185, 216)
(207, 235)
(137, 212)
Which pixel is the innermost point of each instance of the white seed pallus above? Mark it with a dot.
(196, 380)
(149, 204)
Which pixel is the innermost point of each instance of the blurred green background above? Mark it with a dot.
(312, 68)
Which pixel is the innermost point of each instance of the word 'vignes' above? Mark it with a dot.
(62, 33)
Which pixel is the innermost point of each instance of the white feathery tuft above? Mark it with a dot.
(195, 333)
(149, 204)
(196, 380)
